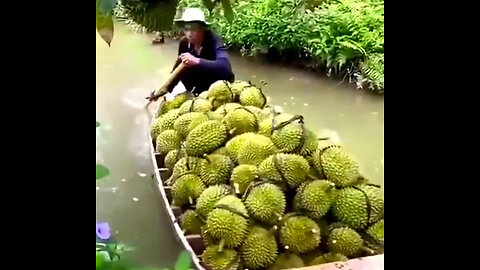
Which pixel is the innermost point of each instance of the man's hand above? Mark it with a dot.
(154, 97)
(189, 60)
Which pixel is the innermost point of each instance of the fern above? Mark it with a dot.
(373, 71)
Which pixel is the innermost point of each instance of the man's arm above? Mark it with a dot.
(221, 64)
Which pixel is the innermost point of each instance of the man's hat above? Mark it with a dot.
(192, 15)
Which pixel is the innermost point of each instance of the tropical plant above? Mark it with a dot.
(153, 15)
(109, 253)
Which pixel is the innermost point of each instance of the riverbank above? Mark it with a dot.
(342, 39)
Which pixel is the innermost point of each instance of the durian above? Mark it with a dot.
(242, 177)
(254, 151)
(358, 207)
(164, 122)
(209, 197)
(185, 123)
(266, 203)
(187, 189)
(259, 248)
(281, 168)
(217, 170)
(226, 224)
(241, 120)
(315, 198)
(190, 222)
(218, 258)
(287, 260)
(345, 241)
(220, 93)
(293, 137)
(167, 141)
(195, 105)
(252, 96)
(205, 138)
(299, 234)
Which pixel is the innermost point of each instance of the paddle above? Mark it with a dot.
(167, 85)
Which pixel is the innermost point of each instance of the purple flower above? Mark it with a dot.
(103, 230)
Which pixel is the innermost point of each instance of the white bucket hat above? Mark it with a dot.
(192, 15)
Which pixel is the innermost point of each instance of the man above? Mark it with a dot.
(203, 54)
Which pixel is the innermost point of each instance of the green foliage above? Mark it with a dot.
(373, 71)
(153, 15)
(102, 171)
(108, 257)
(104, 19)
(184, 261)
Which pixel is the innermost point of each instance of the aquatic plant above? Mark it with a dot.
(103, 230)
(102, 171)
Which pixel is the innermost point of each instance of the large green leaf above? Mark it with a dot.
(104, 24)
(184, 261)
(100, 260)
(102, 171)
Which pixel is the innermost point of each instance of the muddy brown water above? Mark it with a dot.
(132, 67)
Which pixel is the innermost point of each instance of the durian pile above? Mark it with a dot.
(262, 190)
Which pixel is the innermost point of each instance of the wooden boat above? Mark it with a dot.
(194, 243)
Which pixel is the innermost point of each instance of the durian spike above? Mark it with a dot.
(190, 200)
(221, 244)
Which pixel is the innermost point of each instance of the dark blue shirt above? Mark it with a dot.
(214, 64)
